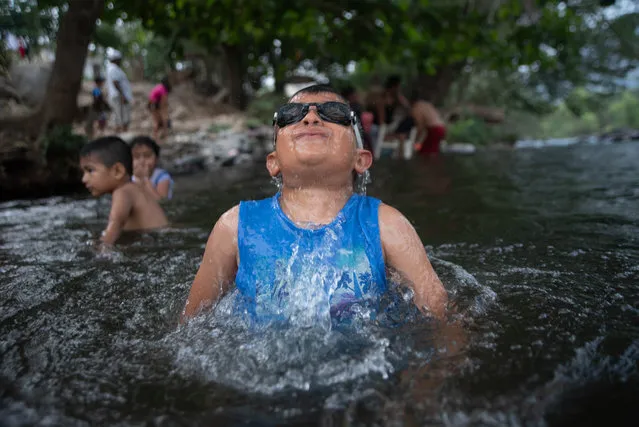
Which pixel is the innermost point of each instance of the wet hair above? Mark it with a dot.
(314, 89)
(392, 81)
(166, 83)
(148, 141)
(110, 150)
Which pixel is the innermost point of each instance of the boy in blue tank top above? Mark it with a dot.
(316, 251)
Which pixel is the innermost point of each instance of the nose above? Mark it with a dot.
(312, 117)
(85, 178)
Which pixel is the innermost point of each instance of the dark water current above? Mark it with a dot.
(539, 249)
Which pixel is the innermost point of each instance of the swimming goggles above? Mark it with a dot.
(333, 112)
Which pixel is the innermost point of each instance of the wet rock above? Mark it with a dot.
(187, 165)
(179, 113)
(12, 108)
(459, 148)
(620, 135)
(214, 147)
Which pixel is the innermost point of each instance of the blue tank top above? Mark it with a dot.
(313, 275)
(160, 175)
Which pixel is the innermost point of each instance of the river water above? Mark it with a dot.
(538, 248)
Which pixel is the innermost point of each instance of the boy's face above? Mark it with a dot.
(144, 160)
(98, 178)
(317, 145)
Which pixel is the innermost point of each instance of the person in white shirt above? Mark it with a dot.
(120, 96)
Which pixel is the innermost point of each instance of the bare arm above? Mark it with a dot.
(121, 206)
(158, 193)
(420, 122)
(162, 190)
(218, 267)
(404, 252)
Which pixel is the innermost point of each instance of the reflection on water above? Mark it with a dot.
(539, 250)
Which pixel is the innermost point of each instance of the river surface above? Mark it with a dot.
(538, 248)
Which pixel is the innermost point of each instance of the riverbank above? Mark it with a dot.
(205, 133)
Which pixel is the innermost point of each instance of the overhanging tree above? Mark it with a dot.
(60, 103)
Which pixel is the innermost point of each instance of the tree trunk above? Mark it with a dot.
(76, 29)
(60, 102)
(235, 74)
(435, 87)
(279, 72)
(26, 168)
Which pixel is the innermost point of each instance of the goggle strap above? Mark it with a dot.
(358, 136)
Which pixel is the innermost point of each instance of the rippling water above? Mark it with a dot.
(539, 249)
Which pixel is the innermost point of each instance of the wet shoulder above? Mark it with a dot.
(128, 191)
(230, 219)
(142, 202)
(388, 215)
(131, 189)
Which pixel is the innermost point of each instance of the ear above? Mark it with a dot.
(363, 161)
(273, 164)
(118, 171)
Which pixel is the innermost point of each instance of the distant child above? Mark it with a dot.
(99, 108)
(107, 166)
(156, 181)
(316, 249)
(159, 107)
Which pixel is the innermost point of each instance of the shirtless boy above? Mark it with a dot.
(431, 129)
(107, 166)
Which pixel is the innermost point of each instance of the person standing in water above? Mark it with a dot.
(120, 96)
(316, 249)
(431, 129)
(159, 107)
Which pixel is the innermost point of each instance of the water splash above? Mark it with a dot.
(270, 359)
(470, 296)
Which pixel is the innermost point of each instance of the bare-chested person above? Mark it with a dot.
(431, 128)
